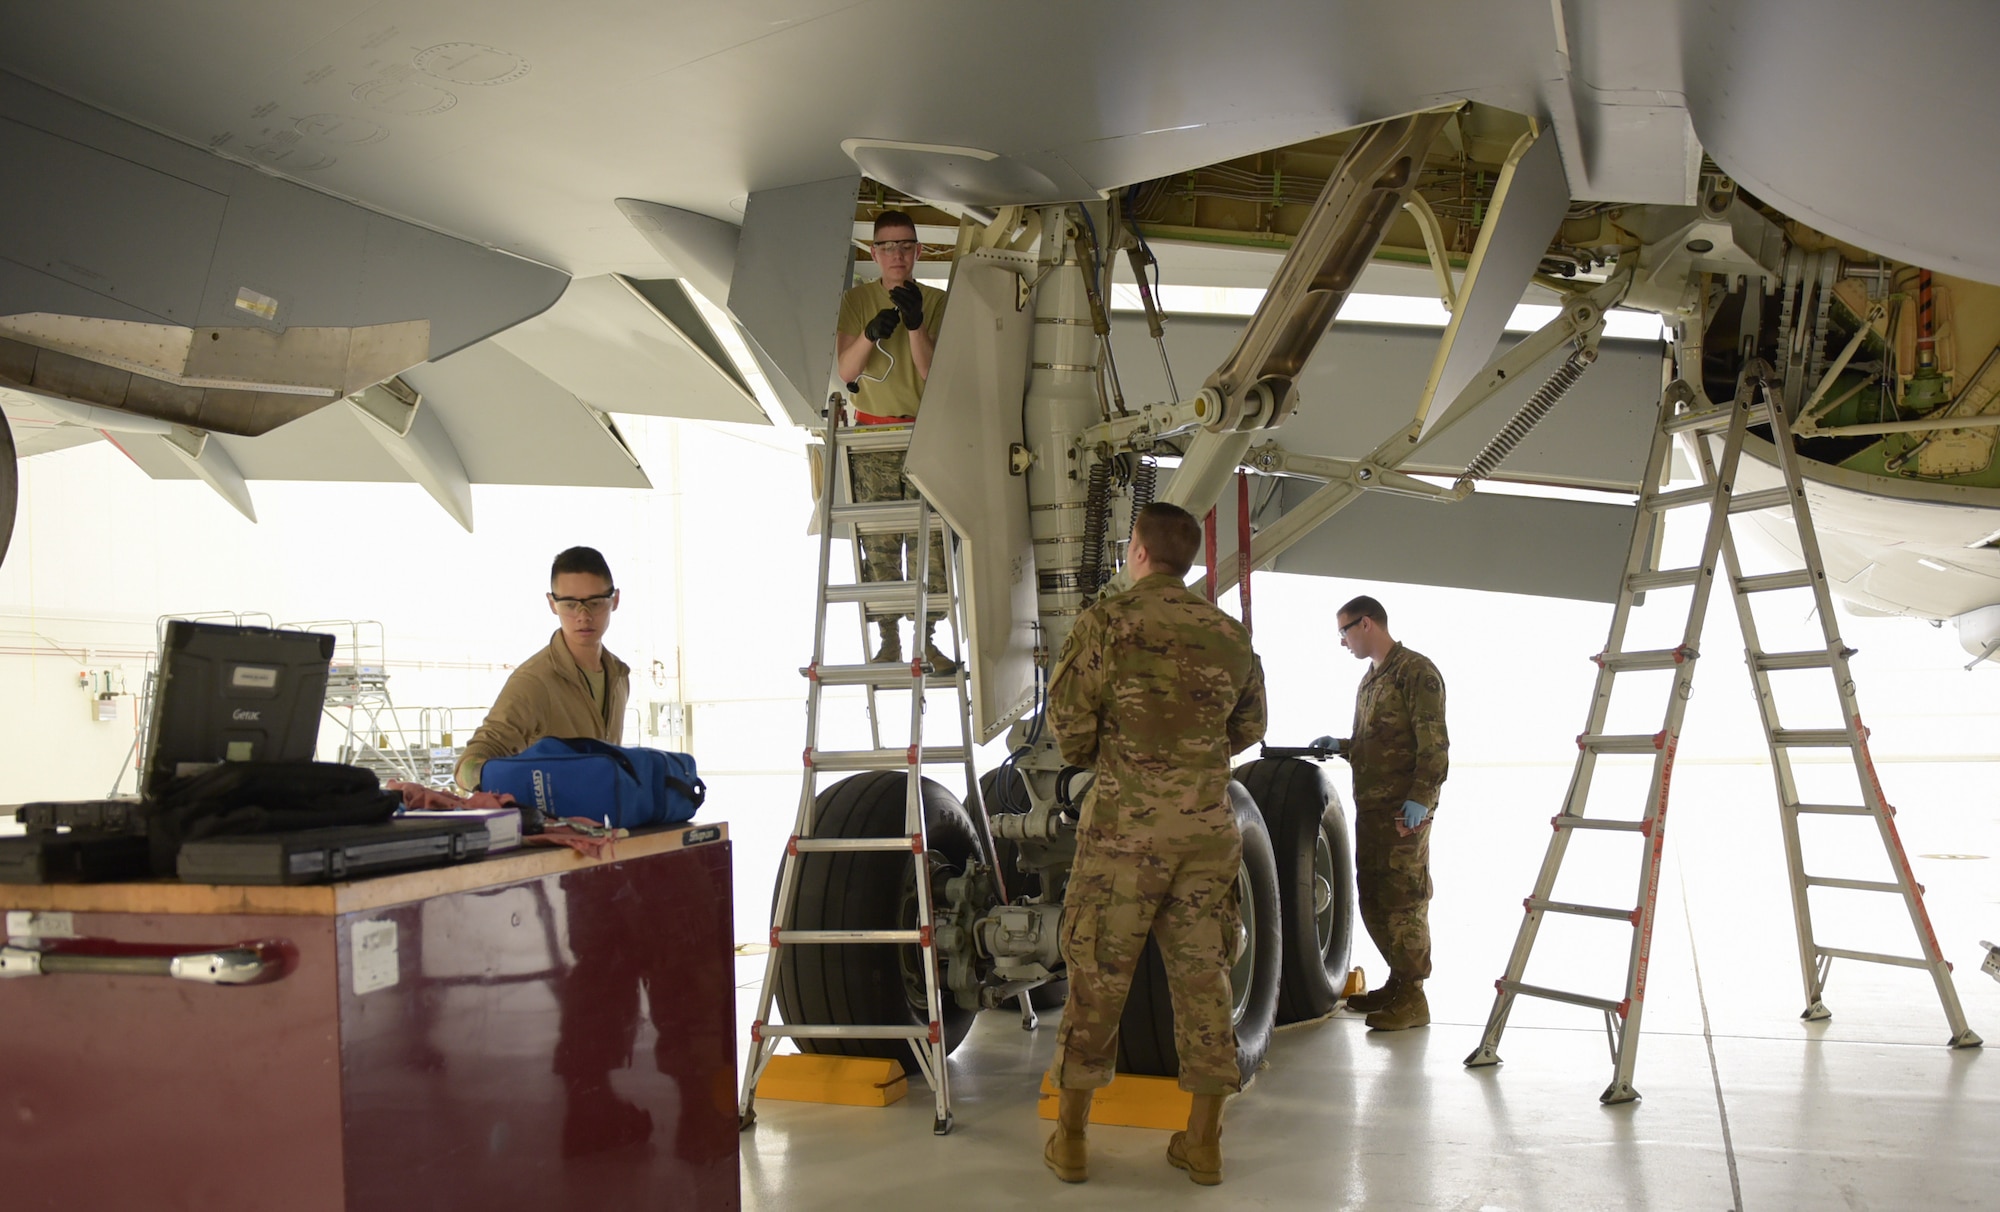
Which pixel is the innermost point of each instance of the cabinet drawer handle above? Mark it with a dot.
(244, 964)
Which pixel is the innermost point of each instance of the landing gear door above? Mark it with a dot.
(960, 458)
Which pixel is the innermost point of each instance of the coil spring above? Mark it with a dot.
(1144, 482)
(1096, 521)
(1530, 415)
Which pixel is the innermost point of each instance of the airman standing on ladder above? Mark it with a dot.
(1398, 753)
(887, 333)
(1155, 688)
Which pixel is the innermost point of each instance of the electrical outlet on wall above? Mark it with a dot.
(670, 725)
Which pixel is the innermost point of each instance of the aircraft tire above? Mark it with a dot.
(1146, 1031)
(1315, 855)
(10, 485)
(870, 983)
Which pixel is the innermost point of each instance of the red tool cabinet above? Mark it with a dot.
(536, 1031)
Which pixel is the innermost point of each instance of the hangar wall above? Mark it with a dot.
(101, 551)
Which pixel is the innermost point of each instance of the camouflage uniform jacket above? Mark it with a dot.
(1399, 745)
(1156, 688)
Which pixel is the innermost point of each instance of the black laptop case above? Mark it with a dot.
(86, 816)
(319, 856)
(47, 857)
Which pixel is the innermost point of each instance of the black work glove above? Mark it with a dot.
(909, 301)
(883, 326)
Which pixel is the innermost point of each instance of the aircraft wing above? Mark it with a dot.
(530, 405)
(509, 423)
(481, 201)
(36, 433)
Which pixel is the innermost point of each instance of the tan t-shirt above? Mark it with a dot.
(889, 383)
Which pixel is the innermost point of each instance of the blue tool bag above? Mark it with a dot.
(625, 788)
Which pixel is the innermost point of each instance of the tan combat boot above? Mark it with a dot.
(891, 651)
(1199, 1149)
(1375, 999)
(940, 663)
(1405, 1010)
(1065, 1153)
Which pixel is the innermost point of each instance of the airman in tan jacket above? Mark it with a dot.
(573, 688)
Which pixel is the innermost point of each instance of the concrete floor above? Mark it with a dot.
(1744, 1106)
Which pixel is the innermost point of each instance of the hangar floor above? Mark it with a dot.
(1744, 1106)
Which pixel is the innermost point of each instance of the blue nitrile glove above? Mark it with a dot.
(1330, 744)
(1414, 814)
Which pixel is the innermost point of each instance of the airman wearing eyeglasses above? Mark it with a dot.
(1399, 753)
(574, 687)
(886, 335)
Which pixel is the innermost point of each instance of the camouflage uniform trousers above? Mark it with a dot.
(1393, 878)
(1185, 896)
(878, 476)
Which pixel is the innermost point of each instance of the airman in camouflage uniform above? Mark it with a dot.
(1156, 689)
(1398, 755)
(877, 475)
(885, 336)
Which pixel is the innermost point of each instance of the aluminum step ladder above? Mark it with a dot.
(1716, 493)
(1815, 960)
(910, 597)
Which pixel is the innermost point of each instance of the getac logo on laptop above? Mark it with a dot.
(235, 694)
